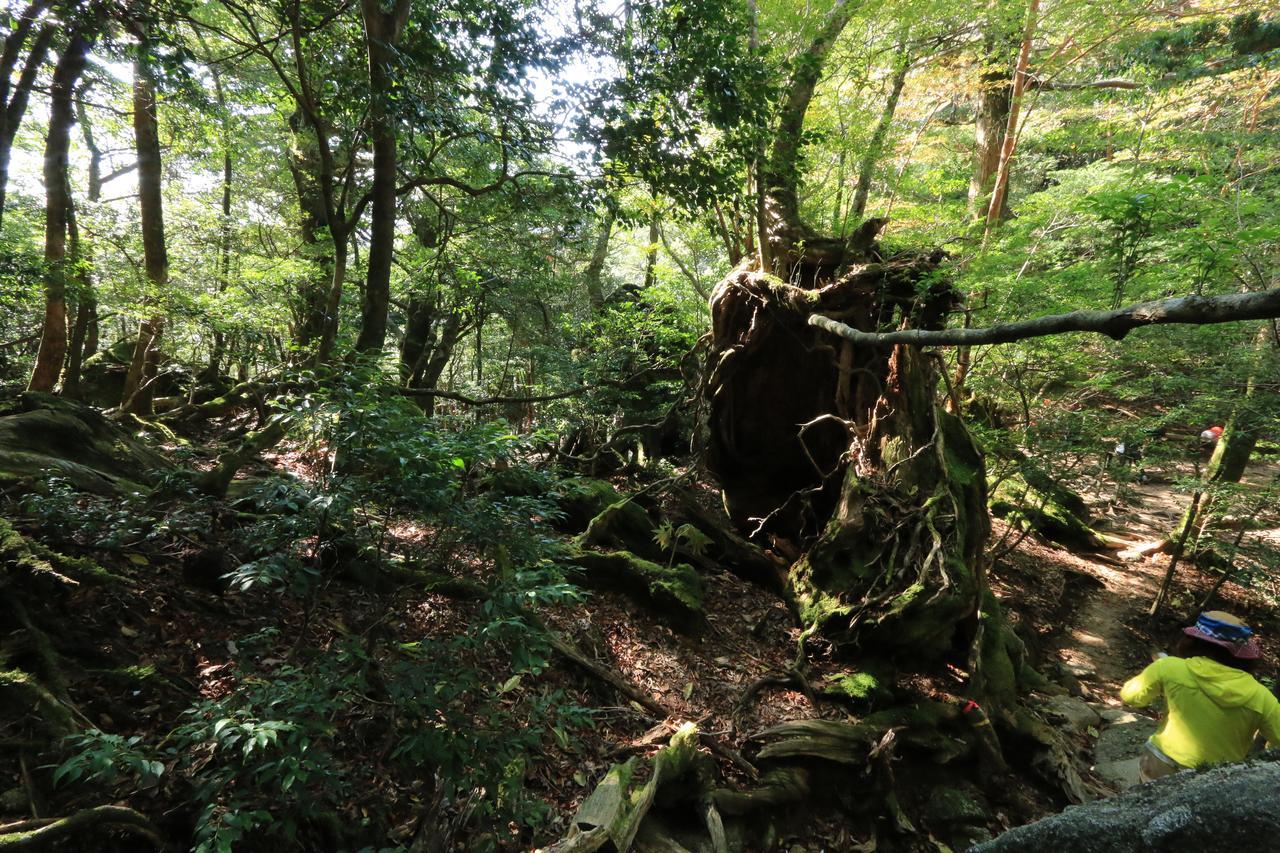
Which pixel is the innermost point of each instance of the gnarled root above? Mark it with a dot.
(42, 833)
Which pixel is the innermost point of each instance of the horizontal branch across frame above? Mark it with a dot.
(1186, 310)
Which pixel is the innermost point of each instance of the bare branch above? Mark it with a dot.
(1189, 310)
(1049, 85)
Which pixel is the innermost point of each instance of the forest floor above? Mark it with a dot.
(1102, 634)
(1083, 616)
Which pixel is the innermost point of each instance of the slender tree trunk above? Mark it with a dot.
(53, 339)
(592, 276)
(86, 305)
(14, 106)
(1240, 434)
(995, 211)
(875, 147)
(786, 242)
(1167, 582)
(138, 390)
(382, 33)
(224, 260)
(333, 302)
(651, 249)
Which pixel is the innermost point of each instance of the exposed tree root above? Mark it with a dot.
(42, 833)
(218, 479)
(644, 700)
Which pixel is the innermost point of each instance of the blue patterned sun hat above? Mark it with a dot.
(1223, 629)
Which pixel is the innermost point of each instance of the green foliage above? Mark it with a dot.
(292, 739)
(108, 758)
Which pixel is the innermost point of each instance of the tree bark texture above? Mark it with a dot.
(53, 338)
(993, 115)
(382, 33)
(137, 390)
(592, 276)
(304, 166)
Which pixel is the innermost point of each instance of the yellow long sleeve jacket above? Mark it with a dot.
(1213, 711)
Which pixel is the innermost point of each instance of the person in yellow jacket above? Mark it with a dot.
(1214, 707)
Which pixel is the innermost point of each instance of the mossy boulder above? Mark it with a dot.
(623, 525)
(1053, 511)
(959, 804)
(582, 499)
(43, 436)
(673, 593)
(859, 688)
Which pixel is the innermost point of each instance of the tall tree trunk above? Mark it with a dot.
(14, 106)
(993, 115)
(791, 249)
(875, 147)
(333, 301)
(53, 339)
(305, 166)
(996, 209)
(138, 390)
(592, 276)
(86, 306)
(382, 33)
(218, 350)
(651, 249)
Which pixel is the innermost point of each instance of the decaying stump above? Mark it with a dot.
(843, 451)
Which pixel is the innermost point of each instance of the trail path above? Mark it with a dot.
(1104, 640)
(1098, 646)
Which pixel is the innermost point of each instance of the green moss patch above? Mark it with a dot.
(673, 593)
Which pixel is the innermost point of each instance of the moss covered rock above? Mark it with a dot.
(1053, 511)
(626, 525)
(43, 436)
(582, 499)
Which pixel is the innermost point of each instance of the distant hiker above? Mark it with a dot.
(1210, 437)
(1124, 454)
(1127, 453)
(1213, 707)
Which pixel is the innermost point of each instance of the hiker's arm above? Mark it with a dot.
(1143, 688)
